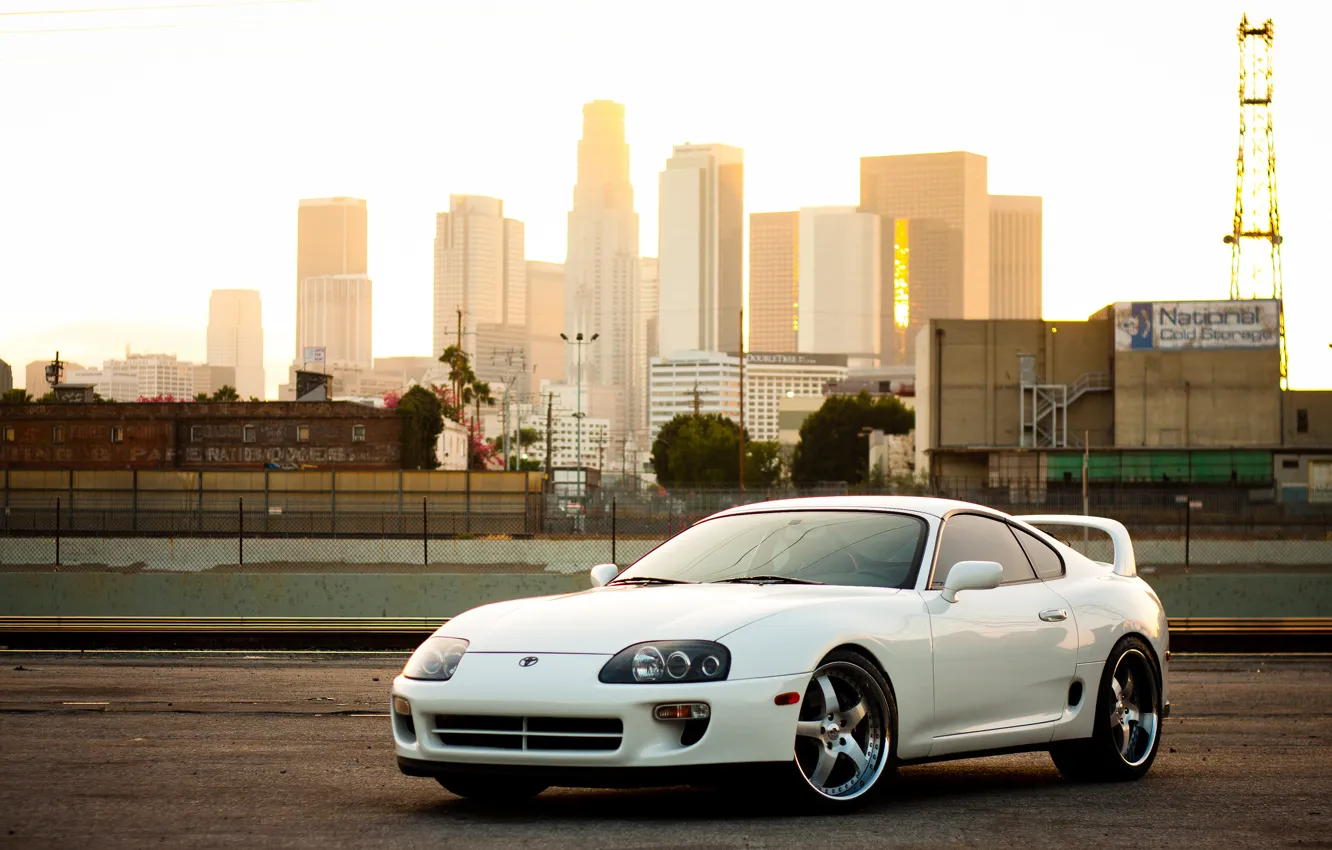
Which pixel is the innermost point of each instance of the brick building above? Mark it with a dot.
(199, 436)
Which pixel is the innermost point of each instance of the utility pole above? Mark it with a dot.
(550, 411)
(742, 400)
(697, 403)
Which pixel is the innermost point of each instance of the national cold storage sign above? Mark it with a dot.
(1175, 325)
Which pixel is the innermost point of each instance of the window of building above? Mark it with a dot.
(1290, 463)
(9, 433)
(117, 433)
(358, 433)
(196, 433)
(302, 433)
(1302, 421)
(249, 434)
(58, 433)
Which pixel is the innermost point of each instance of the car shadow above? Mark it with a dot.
(914, 787)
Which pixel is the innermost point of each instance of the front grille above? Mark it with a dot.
(529, 733)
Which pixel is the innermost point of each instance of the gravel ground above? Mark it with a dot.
(283, 750)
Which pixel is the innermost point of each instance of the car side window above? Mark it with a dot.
(968, 537)
(1046, 560)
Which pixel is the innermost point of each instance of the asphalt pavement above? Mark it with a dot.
(266, 750)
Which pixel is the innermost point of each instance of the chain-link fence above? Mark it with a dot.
(1170, 527)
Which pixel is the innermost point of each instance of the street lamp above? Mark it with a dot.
(580, 342)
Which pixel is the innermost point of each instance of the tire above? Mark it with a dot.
(1126, 732)
(842, 751)
(489, 789)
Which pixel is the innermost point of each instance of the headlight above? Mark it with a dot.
(436, 659)
(668, 662)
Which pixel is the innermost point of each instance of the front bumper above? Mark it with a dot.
(745, 725)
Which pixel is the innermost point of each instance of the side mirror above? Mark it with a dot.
(603, 573)
(972, 575)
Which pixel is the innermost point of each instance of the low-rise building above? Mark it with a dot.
(199, 436)
(709, 382)
(1162, 393)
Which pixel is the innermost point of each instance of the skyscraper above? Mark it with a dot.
(839, 285)
(601, 294)
(649, 299)
(331, 237)
(941, 254)
(480, 269)
(774, 297)
(332, 289)
(545, 321)
(236, 337)
(1015, 257)
(334, 313)
(701, 235)
(6, 377)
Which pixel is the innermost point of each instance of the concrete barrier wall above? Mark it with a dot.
(192, 554)
(565, 556)
(1264, 593)
(430, 595)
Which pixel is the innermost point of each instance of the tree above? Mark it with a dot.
(201, 397)
(524, 438)
(15, 396)
(832, 447)
(421, 425)
(226, 393)
(704, 451)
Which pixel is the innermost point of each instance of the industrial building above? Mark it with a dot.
(1166, 393)
(199, 436)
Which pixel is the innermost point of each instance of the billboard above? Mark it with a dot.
(1188, 325)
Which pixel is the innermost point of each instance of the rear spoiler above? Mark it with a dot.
(1125, 563)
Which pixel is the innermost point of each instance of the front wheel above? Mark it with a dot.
(844, 736)
(489, 789)
(1126, 732)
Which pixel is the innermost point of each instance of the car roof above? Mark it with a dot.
(928, 505)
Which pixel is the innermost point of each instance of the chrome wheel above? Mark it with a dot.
(843, 734)
(1133, 708)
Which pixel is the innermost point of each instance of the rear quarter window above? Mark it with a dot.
(1044, 559)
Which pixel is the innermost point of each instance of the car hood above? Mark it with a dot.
(607, 619)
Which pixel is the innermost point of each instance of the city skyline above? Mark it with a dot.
(1095, 171)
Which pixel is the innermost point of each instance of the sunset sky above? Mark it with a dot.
(151, 155)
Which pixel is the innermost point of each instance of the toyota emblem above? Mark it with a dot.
(528, 661)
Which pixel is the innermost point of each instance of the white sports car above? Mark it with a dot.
(819, 641)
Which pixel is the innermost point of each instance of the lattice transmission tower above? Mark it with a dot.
(1255, 235)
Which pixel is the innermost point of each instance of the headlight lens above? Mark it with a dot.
(668, 662)
(436, 659)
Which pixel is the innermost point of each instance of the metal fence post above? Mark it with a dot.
(1188, 530)
(425, 538)
(57, 531)
(240, 530)
(613, 561)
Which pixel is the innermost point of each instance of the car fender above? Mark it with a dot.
(894, 631)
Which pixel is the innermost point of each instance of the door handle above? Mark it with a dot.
(1054, 615)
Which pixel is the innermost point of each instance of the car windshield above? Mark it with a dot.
(859, 548)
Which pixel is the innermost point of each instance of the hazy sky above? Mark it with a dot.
(153, 155)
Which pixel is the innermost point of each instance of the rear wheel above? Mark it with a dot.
(1126, 732)
(844, 737)
(489, 789)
